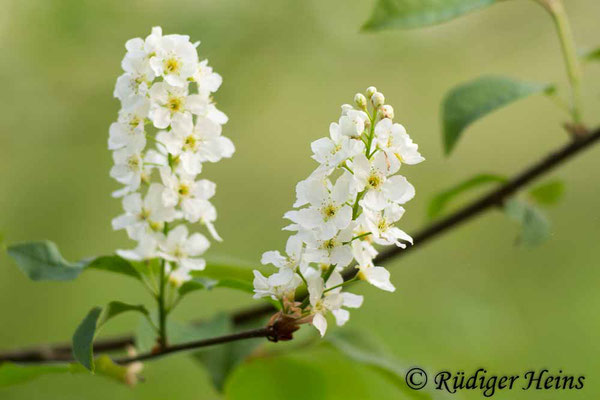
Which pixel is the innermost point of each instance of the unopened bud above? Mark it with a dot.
(378, 99)
(387, 111)
(371, 90)
(360, 100)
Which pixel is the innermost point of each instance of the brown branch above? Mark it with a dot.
(254, 333)
(491, 200)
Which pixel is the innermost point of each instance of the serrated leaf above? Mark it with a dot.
(407, 14)
(83, 338)
(438, 204)
(535, 227)
(361, 348)
(42, 261)
(115, 264)
(548, 193)
(473, 100)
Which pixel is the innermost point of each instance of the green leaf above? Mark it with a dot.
(590, 54)
(407, 14)
(83, 338)
(12, 374)
(221, 361)
(115, 308)
(473, 100)
(361, 348)
(115, 264)
(439, 203)
(42, 261)
(548, 193)
(208, 284)
(535, 227)
(282, 378)
(196, 284)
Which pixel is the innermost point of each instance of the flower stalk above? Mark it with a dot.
(567, 43)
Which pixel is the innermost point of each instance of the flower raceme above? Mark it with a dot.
(168, 126)
(351, 201)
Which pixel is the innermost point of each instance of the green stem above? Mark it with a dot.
(567, 43)
(162, 311)
(362, 235)
(341, 284)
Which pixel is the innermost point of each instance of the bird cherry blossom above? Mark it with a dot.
(351, 203)
(167, 128)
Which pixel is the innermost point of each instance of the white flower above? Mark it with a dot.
(352, 122)
(293, 259)
(372, 176)
(207, 80)
(190, 194)
(376, 276)
(184, 250)
(144, 216)
(129, 129)
(397, 145)
(322, 301)
(381, 226)
(129, 165)
(333, 151)
(363, 251)
(280, 285)
(334, 251)
(171, 105)
(178, 274)
(133, 85)
(328, 211)
(203, 143)
(147, 248)
(175, 59)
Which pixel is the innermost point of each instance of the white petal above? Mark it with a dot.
(320, 323)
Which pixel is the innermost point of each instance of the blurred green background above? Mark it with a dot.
(471, 298)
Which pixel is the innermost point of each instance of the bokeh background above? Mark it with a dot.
(470, 298)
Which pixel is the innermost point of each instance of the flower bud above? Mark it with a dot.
(387, 111)
(371, 90)
(378, 99)
(360, 100)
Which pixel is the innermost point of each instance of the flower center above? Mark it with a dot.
(144, 214)
(190, 143)
(329, 244)
(172, 65)
(133, 123)
(382, 225)
(183, 190)
(174, 104)
(329, 211)
(133, 162)
(374, 181)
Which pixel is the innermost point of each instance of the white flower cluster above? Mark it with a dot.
(166, 87)
(349, 203)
